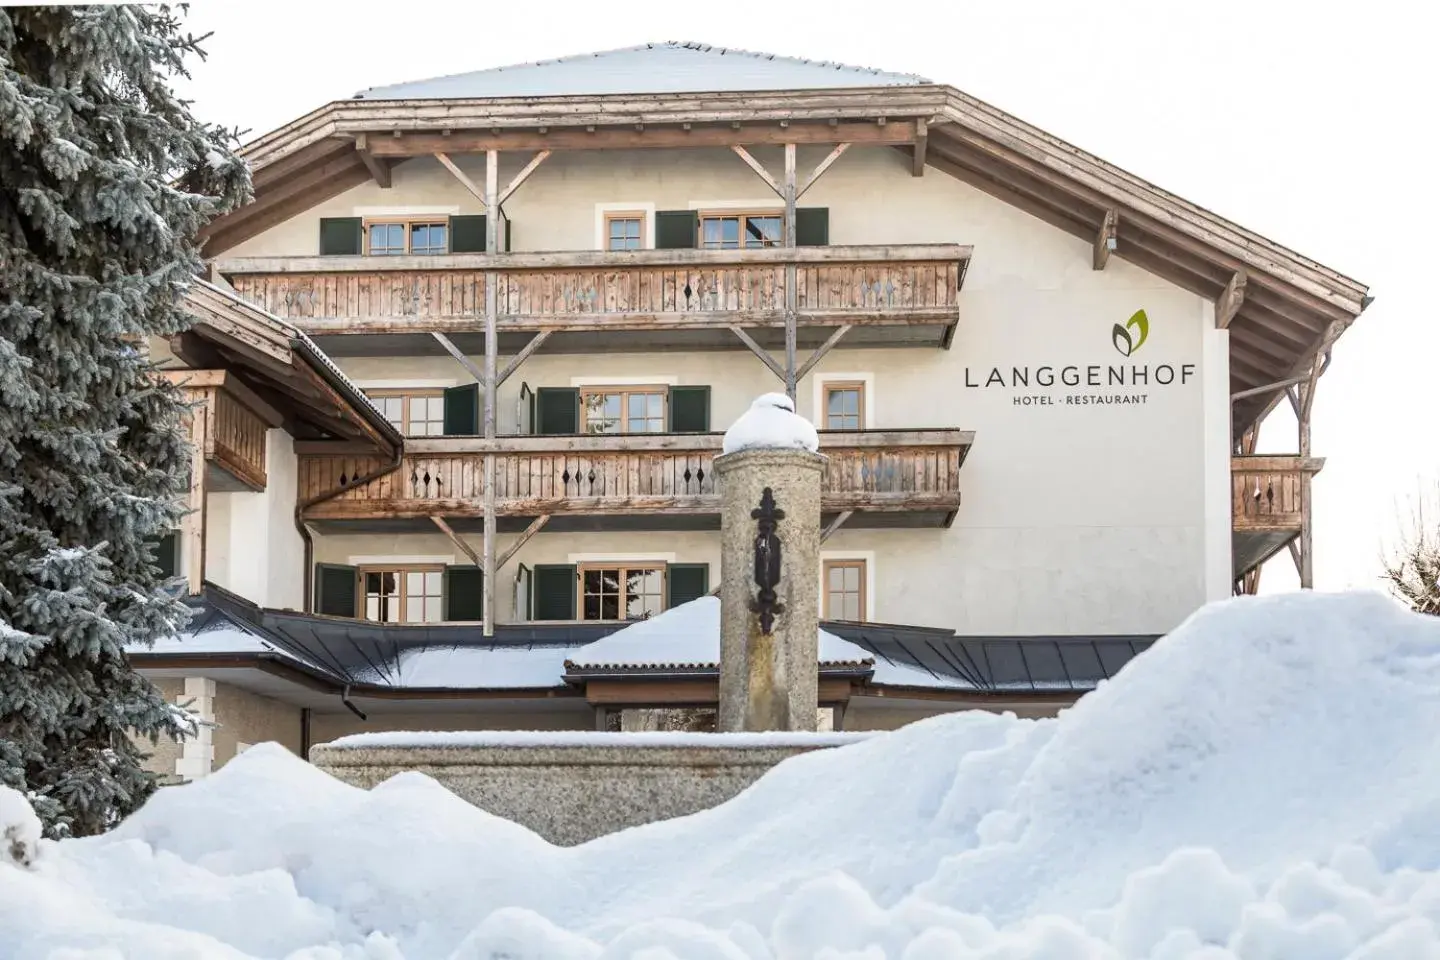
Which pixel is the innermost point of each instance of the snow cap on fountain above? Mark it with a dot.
(771, 424)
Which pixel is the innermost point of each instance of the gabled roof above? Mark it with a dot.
(669, 67)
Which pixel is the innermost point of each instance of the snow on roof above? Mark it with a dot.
(669, 67)
(771, 423)
(688, 636)
(484, 667)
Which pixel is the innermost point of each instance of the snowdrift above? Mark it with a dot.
(1262, 784)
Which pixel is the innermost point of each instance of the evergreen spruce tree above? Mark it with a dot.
(105, 179)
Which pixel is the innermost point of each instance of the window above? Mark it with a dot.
(622, 410)
(624, 231)
(844, 406)
(732, 231)
(395, 238)
(844, 590)
(402, 594)
(621, 592)
(415, 413)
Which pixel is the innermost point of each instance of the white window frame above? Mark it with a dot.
(648, 209)
(871, 598)
(867, 410)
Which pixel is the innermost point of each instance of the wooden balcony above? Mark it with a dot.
(234, 427)
(1270, 501)
(655, 481)
(615, 300)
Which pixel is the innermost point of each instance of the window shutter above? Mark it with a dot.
(676, 229)
(467, 234)
(508, 221)
(167, 555)
(464, 593)
(686, 582)
(462, 410)
(341, 236)
(557, 411)
(336, 590)
(812, 226)
(689, 409)
(553, 586)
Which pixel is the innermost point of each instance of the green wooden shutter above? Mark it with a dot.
(467, 234)
(464, 593)
(686, 582)
(167, 555)
(689, 409)
(336, 590)
(341, 236)
(553, 592)
(676, 229)
(557, 411)
(462, 410)
(812, 226)
(508, 222)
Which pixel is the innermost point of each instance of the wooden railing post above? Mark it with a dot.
(492, 310)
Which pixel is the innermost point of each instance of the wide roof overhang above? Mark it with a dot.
(1282, 309)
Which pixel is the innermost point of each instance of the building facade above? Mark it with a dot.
(537, 295)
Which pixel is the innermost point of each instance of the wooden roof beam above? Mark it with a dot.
(1229, 303)
(1106, 240)
(379, 167)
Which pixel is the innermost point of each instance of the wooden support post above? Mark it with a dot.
(459, 356)
(836, 524)
(492, 309)
(520, 177)
(820, 352)
(192, 525)
(535, 527)
(460, 544)
(791, 299)
(522, 356)
(922, 138)
(379, 167)
(1229, 303)
(1105, 240)
(759, 351)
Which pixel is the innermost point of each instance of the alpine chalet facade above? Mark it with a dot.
(464, 363)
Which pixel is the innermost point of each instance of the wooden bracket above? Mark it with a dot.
(821, 167)
(1230, 301)
(759, 351)
(522, 356)
(1105, 240)
(535, 527)
(459, 356)
(460, 544)
(922, 139)
(820, 352)
(758, 167)
(379, 167)
(520, 177)
(465, 181)
(836, 524)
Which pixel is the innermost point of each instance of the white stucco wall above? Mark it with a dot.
(251, 544)
(1076, 518)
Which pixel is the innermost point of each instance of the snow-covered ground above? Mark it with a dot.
(1263, 784)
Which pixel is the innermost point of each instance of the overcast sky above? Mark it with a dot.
(1311, 123)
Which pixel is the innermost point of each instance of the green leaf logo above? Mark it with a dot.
(1131, 337)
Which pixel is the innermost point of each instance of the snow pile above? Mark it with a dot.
(771, 424)
(1261, 785)
(19, 829)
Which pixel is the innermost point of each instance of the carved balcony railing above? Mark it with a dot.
(1270, 499)
(234, 428)
(621, 290)
(886, 472)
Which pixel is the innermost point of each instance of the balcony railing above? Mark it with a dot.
(1269, 501)
(234, 430)
(625, 290)
(913, 471)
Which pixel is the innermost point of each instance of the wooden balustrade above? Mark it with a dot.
(236, 422)
(1269, 492)
(888, 471)
(664, 289)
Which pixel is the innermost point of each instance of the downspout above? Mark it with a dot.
(304, 505)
